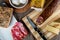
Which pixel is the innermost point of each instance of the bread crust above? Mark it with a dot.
(5, 16)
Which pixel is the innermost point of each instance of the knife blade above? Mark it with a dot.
(36, 29)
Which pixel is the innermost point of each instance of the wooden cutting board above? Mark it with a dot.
(48, 33)
(36, 35)
(48, 30)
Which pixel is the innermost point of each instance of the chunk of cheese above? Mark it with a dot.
(37, 3)
(42, 3)
(52, 29)
(55, 24)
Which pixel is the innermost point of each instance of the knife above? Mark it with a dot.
(36, 29)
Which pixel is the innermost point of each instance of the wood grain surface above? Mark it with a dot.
(33, 15)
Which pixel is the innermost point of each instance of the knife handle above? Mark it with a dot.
(41, 34)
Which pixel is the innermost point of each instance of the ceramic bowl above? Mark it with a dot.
(19, 6)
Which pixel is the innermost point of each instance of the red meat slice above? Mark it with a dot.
(22, 28)
(18, 31)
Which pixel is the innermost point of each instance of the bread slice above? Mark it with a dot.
(5, 16)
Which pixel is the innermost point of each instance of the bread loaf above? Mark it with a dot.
(5, 16)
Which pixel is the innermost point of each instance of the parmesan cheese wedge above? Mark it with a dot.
(55, 24)
(38, 3)
(58, 27)
(52, 29)
(42, 3)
